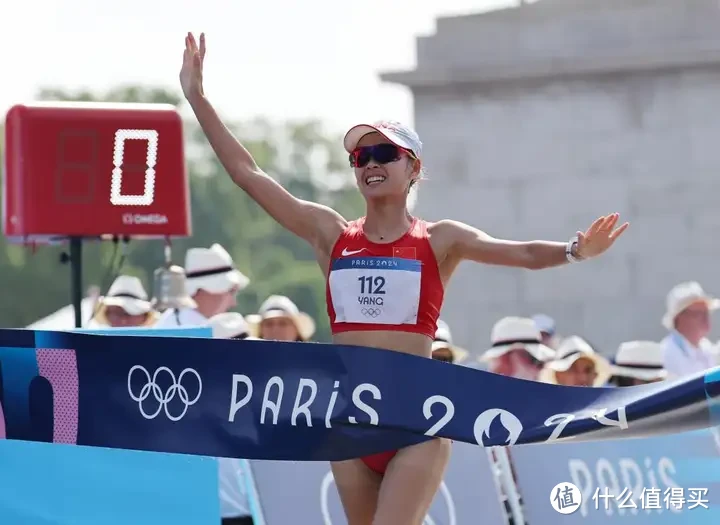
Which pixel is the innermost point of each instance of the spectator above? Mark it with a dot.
(638, 363)
(517, 349)
(229, 325)
(443, 348)
(686, 349)
(279, 319)
(212, 281)
(576, 364)
(546, 325)
(125, 305)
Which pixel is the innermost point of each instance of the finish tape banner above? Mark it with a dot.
(304, 401)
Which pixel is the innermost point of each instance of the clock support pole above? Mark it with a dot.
(76, 278)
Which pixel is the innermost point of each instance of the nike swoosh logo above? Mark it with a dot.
(345, 252)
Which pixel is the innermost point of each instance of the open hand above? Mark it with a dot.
(599, 236)
(192, 68)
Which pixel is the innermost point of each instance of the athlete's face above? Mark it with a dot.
(387, 176)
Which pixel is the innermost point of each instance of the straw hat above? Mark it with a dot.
(281, 306)
(213, 270)
(514, 333)
(572, 349)
(682, 296)
(128, 293)
(443, 339)
(641, 360)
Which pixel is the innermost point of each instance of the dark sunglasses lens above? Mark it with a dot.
(360, 157)
(382, 153)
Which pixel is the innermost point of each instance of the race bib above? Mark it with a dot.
(378, 290)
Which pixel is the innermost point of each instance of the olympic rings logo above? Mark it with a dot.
(176, 388)
(371, 312)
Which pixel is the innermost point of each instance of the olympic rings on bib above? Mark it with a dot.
(371, 312)
(163, 398)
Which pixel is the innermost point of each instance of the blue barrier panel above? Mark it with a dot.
(45, 484)
(640, 481)
(48, 484)
(291, 492)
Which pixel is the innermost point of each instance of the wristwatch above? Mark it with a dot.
(571, 250)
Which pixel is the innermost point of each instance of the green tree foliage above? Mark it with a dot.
(302, 155)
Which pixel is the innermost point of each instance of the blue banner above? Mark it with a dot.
(654, 481)
(65, 485)
(304, 401)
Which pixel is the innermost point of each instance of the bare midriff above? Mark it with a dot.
(405, 342)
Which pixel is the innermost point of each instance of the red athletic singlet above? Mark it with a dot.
(394, 286)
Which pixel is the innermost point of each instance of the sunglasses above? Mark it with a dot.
(381, 153)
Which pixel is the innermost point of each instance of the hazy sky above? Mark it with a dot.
(278, 58)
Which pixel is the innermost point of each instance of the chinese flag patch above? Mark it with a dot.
(405, 253)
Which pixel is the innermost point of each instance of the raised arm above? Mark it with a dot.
(317, 224)
(468, 243)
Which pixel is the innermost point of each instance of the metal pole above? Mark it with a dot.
(76, 278)
(511, 492)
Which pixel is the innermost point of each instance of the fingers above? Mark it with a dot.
(605, 223)
(610, 222)
(614, 235)
(193, 53)
(595, 226)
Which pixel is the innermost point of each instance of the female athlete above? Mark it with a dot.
(385, 275)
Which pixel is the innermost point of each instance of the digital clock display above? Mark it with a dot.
(91, 170)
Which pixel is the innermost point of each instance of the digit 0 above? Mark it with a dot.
(148, 196)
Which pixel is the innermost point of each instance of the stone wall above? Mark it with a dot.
(539, 156)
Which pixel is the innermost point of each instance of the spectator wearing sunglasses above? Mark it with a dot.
(443, 348)
(517, 349)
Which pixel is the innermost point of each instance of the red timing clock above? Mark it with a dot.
(91, 170)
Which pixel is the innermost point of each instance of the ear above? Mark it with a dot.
(415, 165)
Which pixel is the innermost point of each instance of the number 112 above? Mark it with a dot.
(374, 284)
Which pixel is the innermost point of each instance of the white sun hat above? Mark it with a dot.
(517, 333)
(213, 270)
(128, 293)
(229, 325)
(443, 339)
(282, 306)
(641, 360)
(569, 351)
(682, 296)
(396, 132)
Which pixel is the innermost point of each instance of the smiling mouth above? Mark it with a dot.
(374, 180)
